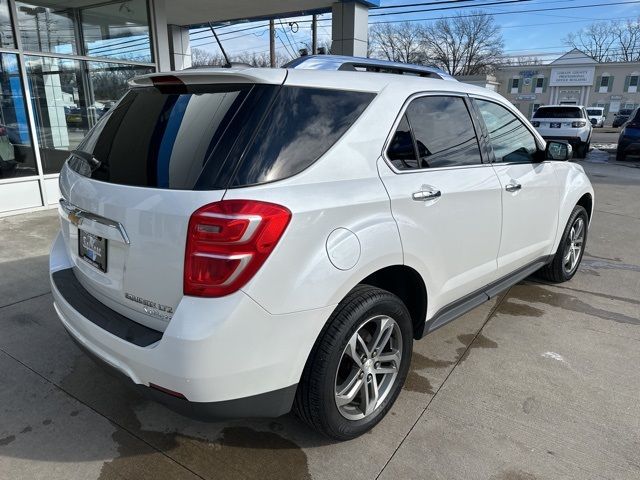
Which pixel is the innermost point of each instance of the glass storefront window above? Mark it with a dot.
(47, 29)
(6, 32)
(109, 82)
(17, 157)
(117, 30)
(59, 108)
(69, 97)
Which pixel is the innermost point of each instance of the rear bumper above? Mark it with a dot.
(265, 405)
(228, 357)
(573, 141)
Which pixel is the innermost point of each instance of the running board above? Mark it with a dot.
(475, 299)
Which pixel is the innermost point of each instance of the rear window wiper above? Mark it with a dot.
(92, 162)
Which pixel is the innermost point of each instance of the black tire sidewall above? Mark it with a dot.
(383, 304)
(577, 212)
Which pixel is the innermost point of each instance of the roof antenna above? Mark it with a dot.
(226, 58)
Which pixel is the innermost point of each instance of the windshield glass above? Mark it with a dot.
(625, 112)
(594, 113)
(558, 112)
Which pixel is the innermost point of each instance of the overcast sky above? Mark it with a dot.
(525, 31)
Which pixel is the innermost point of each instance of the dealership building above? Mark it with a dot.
(573, 79)
(64, 63)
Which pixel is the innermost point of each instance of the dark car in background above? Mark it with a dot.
(629, 139)
(622, 116)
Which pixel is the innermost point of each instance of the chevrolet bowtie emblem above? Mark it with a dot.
(74, 218)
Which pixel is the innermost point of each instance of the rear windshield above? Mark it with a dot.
(625, 112)
(215, 137)
(594, 113)
(558, 112)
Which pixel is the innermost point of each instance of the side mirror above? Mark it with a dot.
(558, 151)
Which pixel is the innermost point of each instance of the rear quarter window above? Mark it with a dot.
(300, 127)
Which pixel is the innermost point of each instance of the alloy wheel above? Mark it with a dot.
(368, 367)
(574, 245)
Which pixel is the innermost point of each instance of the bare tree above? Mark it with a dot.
(397, 42)
(464, 45)
(201, 57)
(522, 60)
(596, 40)
(615, 41)
(627, 37)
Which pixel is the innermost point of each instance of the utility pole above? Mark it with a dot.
(272, 43)
(314, 34)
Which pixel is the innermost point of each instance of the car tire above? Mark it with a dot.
(583, 149)
(566, 261)
(620, 156)
(330, 370)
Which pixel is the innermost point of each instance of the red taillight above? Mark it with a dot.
(227, 243)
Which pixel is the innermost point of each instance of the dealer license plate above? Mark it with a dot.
(93, 249)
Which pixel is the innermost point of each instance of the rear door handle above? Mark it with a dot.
(513, 187)
(424, 195)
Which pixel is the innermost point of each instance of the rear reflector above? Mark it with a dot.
(167, 391)
(227, 243)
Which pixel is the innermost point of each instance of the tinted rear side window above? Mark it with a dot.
(443, 132)
(401, 150)
(558, 112)
(300, 127)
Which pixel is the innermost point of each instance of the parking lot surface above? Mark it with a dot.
(541, 383)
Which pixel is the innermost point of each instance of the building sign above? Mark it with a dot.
(526, 97)
(528, 73)
(571, 76)
(569, 95)
(616, 97)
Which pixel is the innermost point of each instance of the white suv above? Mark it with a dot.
(596, 116)
(240, 242)
(568, 123)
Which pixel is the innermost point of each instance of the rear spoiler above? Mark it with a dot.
(273, 76)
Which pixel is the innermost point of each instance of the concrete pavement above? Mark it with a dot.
(541, 383)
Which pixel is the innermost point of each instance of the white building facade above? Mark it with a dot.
(573, 79)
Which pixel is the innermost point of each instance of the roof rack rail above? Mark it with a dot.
(340, 62)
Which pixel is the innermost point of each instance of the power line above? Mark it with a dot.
(230, 38)
(422, 4)
(288, 39)
(634, 2)
(229, 32)
(457, 7)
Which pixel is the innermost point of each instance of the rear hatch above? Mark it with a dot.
(555, 119)
(166, 149)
